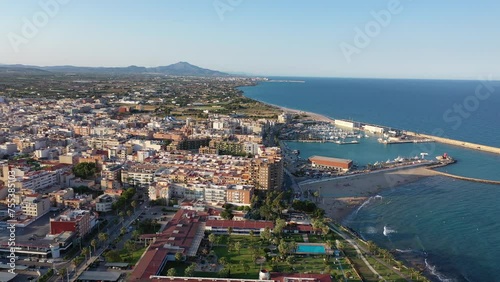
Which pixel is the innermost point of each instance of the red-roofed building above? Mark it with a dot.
(242, 227)
(183, 234)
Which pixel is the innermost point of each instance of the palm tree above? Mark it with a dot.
(371, 246)
(171, 272)
(85, 252)
(133, 204)
(93, 243)
(62, 272)
(103, 237)
(325, 229)
(136, 234)
(237, 247)
(212, 239)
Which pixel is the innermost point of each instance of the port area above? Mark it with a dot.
(321, 132)
(403, 139)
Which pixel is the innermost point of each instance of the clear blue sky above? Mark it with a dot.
(427, 39)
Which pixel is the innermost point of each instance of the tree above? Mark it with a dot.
(171, 272)
(325, 229)
(212, 238)
(251, 233)
(237, 247)
(62, 272)
(130, 246)
(136, 234)
(246, 267)
(133, 204)
(229, 230)
(103, 237)
(316, 195)
(266, 234)
(93, 243)
(279, 225)
(341, 245)
(223, 273)
(292, 246)
(123, 230)
(113, 256)
(227, 214)
(129, 213)
(283, 248)
(371, 246)
(85, 170)
(85, 252)
(223, 261)
(179, 256)
(189, 271)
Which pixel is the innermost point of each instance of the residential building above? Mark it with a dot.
(77, 221)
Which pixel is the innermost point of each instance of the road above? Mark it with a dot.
(361, 250)
(113, 233)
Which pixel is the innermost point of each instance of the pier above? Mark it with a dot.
(463, 144)
(471, 179)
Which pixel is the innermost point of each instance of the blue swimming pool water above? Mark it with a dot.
(312, 249)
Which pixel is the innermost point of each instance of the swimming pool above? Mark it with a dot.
(310, 249)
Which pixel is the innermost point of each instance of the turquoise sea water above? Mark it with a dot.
(450, 224)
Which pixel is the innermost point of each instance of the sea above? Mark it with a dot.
(446, 225)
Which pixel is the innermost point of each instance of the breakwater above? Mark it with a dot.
(467, 178)
(463, 144)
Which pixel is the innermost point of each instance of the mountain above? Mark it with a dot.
(178, 69)
(21, 70)
(186, 69)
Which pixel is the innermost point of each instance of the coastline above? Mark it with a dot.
(443, 140)
(341, 197)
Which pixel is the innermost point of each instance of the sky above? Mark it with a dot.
(455, 39)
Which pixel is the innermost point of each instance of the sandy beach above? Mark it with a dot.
(340, 197)
(312, 116)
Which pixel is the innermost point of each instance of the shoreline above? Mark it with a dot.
(341, 197)
(442, 140)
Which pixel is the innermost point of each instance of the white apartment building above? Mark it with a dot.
(104, 203)
(35, 180)
(35, 205)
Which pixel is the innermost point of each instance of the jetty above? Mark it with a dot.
(471, 179)
(463, 144)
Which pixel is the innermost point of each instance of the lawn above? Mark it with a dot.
(301, 263)
(133, 257)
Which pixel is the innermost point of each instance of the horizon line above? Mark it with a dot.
(244, 74)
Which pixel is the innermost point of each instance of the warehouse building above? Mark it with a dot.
(330, 163)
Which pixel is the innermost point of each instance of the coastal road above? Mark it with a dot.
(361, 250)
